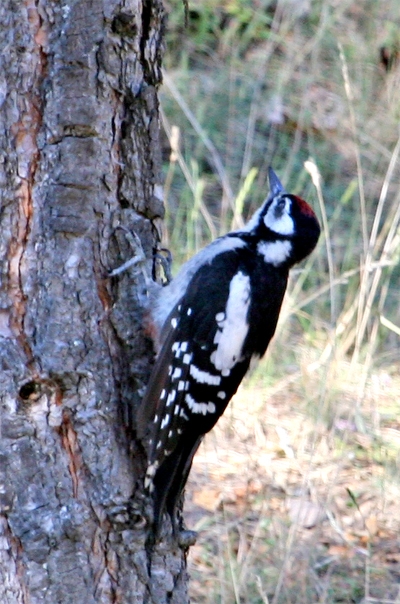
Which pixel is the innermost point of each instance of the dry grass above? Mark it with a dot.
(295, 496)
(317, 428)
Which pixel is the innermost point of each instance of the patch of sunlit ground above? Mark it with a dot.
(295, 493)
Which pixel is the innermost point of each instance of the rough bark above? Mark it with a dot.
(78, 161)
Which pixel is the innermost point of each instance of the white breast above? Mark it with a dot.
(232, 325)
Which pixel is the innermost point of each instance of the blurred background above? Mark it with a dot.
(295, 493)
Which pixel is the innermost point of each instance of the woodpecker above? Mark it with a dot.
(215, 319)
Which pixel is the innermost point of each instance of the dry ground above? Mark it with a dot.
(296, 497)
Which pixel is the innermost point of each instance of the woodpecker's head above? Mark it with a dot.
(287, 221)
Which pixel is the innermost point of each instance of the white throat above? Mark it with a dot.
(275, 252)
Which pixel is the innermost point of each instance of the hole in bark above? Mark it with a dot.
(124, 203)
(30, 391)
(124, 25)
(124, 129)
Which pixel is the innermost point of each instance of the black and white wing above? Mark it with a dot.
(198, 369)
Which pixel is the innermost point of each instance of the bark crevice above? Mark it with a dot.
(79, 159)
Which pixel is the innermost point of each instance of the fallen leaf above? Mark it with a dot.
(208, 499)
(371, 524)
(339, 550)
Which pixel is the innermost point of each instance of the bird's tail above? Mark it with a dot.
(169, 481)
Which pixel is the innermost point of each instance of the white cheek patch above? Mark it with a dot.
(282, 223)
(275, 252)
(233, 329)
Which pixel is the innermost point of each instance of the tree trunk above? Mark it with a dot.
(80, 172)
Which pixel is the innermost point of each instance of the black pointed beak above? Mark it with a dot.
(274, 183)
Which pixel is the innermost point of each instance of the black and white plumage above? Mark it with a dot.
(215, 318)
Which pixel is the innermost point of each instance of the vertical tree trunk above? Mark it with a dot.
(79, 160)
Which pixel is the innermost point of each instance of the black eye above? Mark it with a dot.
(280, 207)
